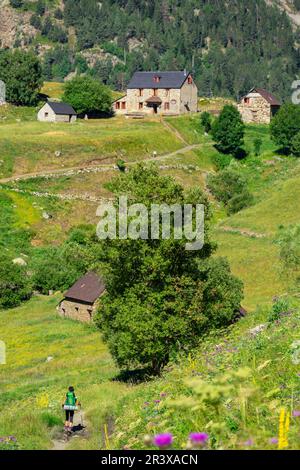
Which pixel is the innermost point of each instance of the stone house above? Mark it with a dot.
(164, 93)
(81, 300)
(259, 106)
(53, 111)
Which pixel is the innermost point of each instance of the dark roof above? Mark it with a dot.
(61, 108)
(269, 97)
(87, 289)
(167, 80)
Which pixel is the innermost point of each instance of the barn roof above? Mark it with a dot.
(87, 289)
(61, 108)
(167, 80)
(269, 97)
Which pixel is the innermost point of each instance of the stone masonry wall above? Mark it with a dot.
(258, 110)
(77, 310)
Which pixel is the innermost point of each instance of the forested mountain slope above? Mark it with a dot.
(230, 47)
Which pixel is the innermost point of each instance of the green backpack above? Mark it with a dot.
(70, 399)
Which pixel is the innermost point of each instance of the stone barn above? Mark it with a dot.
(81, 300)
(164, 93)
(259, 106)
(57, 112)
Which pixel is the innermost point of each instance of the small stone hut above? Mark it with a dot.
(81, 300)
(259, 106)
(57, 112)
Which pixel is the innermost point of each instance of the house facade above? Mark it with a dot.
(259, 106)
(57, 112)
(82, 299)
(164, 93)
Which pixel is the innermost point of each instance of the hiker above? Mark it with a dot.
(70, 405)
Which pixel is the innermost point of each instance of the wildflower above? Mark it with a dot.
(146, 403)
(163, 395)
(296, 413)
(157, 401)
(163, 441)
(198, 439)
(273, 440)
(249, 443)
(284, 426)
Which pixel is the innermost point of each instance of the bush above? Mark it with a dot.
(257, 146)
(121, 165)
(221, 161)
(285, 126)
(51, 420)
(15, 285)
(280, 307)
(296, 145)
(228, 131)
(206, 121)
(230, 188)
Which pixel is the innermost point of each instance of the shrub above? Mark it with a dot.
(230, 188)
(51, 420)
(296, 145)
(228, 130)
(279, 307)
(121, 165)
(257, 146)
(206, 121)
(285, 126)
(15, 286)
(221, 160)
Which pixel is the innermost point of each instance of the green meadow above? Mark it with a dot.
(32, 385)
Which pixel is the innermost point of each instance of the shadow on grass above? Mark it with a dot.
(134, 376)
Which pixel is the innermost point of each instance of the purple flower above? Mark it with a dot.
(249, 443)
(199, 438)
(163, 440)
(296, 413)
(12, 438)
(273, 440)
(146, 403)
(163, 395)
(157, 401)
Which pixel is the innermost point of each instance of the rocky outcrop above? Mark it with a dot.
(14, 25)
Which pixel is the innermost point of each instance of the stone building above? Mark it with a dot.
(81, 300)
(164, 93)
(57, 112)
(259, 106)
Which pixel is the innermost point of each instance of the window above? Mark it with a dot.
(167, 91)
(141, 92)
(117, 105)
(167, 106)
(156, 79)
(141, 105)
(247, 100)
(123, 104)
(46, 114)
(190, 80)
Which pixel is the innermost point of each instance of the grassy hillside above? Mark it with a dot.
(32, 388)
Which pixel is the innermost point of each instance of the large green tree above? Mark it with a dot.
(22, 74)
(228, 130)
(285, 126)
(87, 95)
(160, 297)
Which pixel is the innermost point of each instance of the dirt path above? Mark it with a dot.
(92, 168)
(61, 443)
(174, 131)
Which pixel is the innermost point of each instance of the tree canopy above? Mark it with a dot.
(228, 130)
(285, 126)
(87, 95)
(22, 74)
(160, 297)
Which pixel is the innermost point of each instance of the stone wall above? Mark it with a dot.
(180, 101)
(77, 310)
(256, 110)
